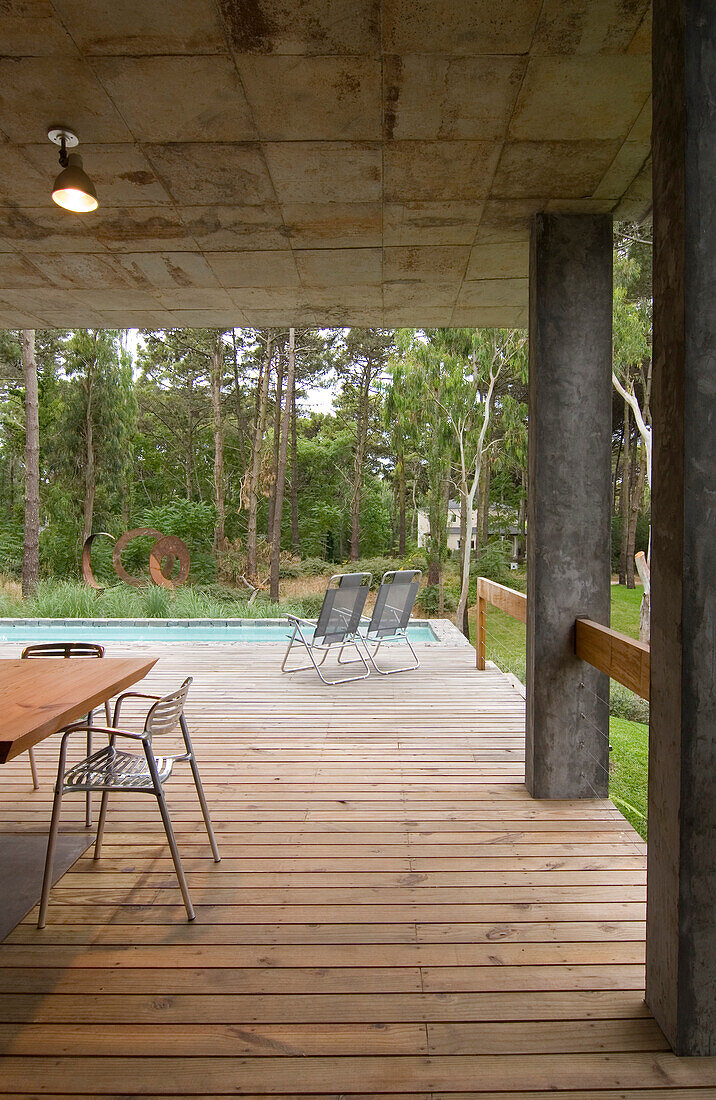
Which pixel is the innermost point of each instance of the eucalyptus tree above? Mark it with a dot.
(98, 416)
(455, 373)
(631, 378)
(31, 540)
(362, 357)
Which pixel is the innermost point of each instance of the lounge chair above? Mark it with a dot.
(336, 626)
(391, 615)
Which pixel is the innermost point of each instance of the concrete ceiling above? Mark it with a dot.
(328, 162)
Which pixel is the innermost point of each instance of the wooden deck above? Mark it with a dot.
(392, 915)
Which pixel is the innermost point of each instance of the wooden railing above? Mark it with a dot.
(621, 657)
(506, 599)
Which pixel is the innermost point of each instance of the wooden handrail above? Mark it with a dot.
(506, 599)
(621, 657)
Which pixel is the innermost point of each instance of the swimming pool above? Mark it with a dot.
(187, 631)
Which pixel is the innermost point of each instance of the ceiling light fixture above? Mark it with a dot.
(73, 189)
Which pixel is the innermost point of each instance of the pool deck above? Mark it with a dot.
(393, 915)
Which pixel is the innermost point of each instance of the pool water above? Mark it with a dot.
(155, 630)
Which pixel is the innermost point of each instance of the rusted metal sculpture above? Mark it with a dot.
(169, 547)
(162, 558)
(87, 573)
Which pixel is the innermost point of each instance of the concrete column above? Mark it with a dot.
(681, 908)
(568, 532)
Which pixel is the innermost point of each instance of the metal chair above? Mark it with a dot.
(66, 650)
(391, 615)
(112, 769)
(336, 626)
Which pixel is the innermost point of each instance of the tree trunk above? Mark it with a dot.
(294, 473)
(277, 412)
(217, 362)
(624, 499)
(637, 479)
(483, 519)
(401, 506)
(252, 493)
(281, 467)
(31, 545)
(358, 460)
(90, 476)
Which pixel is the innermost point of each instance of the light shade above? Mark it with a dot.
(74, 189)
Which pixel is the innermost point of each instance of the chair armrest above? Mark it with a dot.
(109, 730)
(298, 619)
(130, 695)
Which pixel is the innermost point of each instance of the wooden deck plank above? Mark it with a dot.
(393, 915)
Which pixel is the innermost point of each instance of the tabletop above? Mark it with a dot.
(40, 697)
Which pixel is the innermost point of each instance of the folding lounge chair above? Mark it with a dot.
(336, 626)
(391, 615)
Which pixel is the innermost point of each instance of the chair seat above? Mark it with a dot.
(113, 769)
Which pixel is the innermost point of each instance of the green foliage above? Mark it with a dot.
(641, 542)
(492, 562)
(429, 599)
(625, 704)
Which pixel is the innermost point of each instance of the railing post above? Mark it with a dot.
(480, 640)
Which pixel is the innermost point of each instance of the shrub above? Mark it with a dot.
(492, 561)
(316, 567)
(625, 704)
(429, 599)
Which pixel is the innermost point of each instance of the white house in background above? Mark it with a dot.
(453, 528)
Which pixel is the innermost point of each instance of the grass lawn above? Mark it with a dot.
(628, 770)
(629, 740)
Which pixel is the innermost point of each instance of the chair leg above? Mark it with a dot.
(175, 853)
(88, 803)
(108, 712)
(50, 856)
(33, 770)
(100, 824)
(199, 789)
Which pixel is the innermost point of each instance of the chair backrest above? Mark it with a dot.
(342, 607)
(63, 649)
(166, 713)
(394, 603)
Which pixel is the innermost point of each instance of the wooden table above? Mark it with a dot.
(39, 698)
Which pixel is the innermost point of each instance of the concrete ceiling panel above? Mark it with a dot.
(247, 269)
(312, 27)
(136, 27)
(566, 98)
(564, 169)
(38, 93)
(141, 229)
(459, 97)
(493, 293)
(325, 171)
(474, 27)
(350, 266)
(437, 223)
(499, 261)
(19, 272)
(320, 98)
(47, 229)
(214, 110)
(425, 171)
(341, 225)
(425, 264)
(30, 28)
(166, 270)
(588, 26)
(195, 298)
(208, 173)
(226, 228)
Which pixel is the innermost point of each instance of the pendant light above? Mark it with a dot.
(73, 189)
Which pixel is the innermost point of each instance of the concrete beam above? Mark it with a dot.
(568, 543)
(681, 910)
